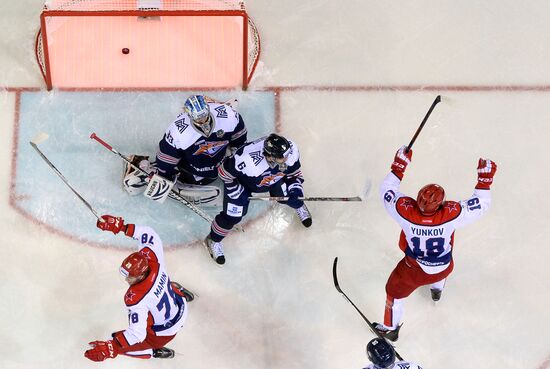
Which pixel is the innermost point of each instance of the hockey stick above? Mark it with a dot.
(363, 196)
(371, 326)
(41, 137)
(436, 101)
(173, 194)
(283, 198)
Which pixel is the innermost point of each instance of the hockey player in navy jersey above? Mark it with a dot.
(157, 308)
(193, 146)
(382, 356)
(269, 164)
(427, 237)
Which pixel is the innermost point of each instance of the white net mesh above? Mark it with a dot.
(120, 5)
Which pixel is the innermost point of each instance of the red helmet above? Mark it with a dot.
(430, 198)
(134, 267)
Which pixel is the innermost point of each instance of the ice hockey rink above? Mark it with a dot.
(349, 82)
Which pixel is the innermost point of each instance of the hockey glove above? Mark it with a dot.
(101, 350)
(400, 161)
(115, 225)
(485, 172)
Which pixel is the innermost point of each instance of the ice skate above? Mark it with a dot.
(163, 353)
(390, 334)
(305, 215)
(215, 249)
(436, 294)
(182, 291)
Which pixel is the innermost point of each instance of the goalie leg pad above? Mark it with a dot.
(133, 181)
(200, 195)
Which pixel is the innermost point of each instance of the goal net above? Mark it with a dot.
(144, 44)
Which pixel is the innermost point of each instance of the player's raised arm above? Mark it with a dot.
(480, 201)
(389, 188)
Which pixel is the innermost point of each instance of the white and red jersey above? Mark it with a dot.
(153, 306)
(429, 239)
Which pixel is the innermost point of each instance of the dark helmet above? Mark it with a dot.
(430, 198)
(380, 353)
(276, 146)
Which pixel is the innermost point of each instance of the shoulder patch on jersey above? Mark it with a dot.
(256, 157)
(181, 125)
(221, 112)
(451, 210)
(406, 203)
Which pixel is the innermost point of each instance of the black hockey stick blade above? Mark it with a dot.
(436, 101)
(339, 289)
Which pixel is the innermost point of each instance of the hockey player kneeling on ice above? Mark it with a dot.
(427, 237)
(269, 164)
(382, 356)
(157, 308)
(192, 148)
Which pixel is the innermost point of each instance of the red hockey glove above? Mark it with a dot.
(400, 162)
(111, 224)
(485, 172)
(101, 350)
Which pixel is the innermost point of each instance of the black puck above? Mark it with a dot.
(125, 50)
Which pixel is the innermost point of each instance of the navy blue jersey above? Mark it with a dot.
(184, 146)
(249, 167)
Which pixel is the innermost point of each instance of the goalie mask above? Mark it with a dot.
(430, 198)
(198, 110)
(276, 150)
(134, 268)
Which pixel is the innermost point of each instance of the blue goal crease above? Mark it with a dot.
(133, 123)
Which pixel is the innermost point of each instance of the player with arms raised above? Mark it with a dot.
(157, 308)
(192, 148)
(269, 164)
(427, 237)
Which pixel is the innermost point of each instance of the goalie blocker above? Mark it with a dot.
(158, 188)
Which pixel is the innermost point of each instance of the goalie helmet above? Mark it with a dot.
(430, 198)
(198, 110)
(380, 353)
(134, 268)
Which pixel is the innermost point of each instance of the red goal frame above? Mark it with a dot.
(250, 38)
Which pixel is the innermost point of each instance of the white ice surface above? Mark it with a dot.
(273, 305)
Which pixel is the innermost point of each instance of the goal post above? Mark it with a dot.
(146, 44)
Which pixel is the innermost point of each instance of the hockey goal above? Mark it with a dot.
(146, 44)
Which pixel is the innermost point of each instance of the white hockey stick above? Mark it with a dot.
(41, 137)
(362, 197)
(173, 193)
